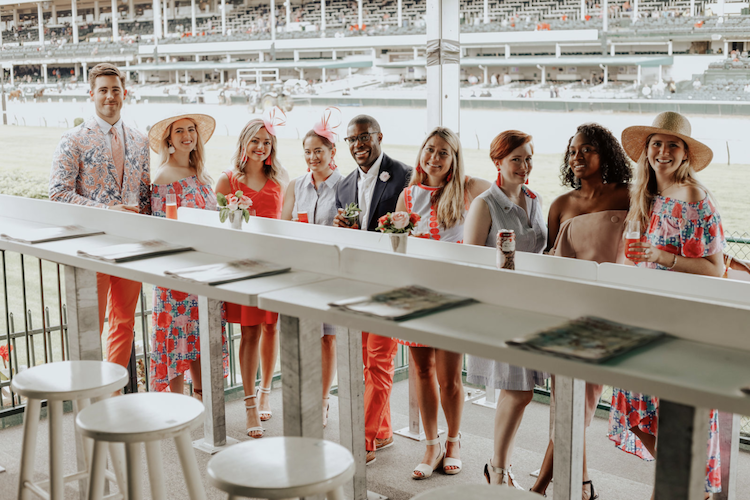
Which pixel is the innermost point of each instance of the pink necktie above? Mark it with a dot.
(118, 154)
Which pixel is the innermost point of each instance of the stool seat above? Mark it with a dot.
(141, 417)
(70, 380)
(477, 492)
(281, 467)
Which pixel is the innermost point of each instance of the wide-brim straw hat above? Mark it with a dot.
(668, 123)
(204, 124)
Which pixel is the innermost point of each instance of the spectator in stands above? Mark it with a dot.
(697, 84)
(508, 204)
(315, 195)
(440, 193)
(375, 186)
(99, 164)
(587, 223)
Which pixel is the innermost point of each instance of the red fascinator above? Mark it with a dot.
(325, 128)
(274, 118)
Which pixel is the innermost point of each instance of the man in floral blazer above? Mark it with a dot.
(99, 164)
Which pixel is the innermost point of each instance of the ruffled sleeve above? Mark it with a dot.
(701, 231)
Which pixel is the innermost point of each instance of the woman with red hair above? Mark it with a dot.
(508, 204)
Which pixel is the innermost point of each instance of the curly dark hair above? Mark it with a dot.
(614, 163)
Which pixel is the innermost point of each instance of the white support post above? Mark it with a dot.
(443, 69)
(681, 452)
(570, 397)
(85, 71)
(692, 8)
(40, 14)
(400, 14)
(12, 75)
(640, 72)
(605, 16)
(193, 22)
(131, 10)
(486, 11)
(165, 16)
(172, 9)
(583, 9)
(296, 55)
(260, 56)
(669, 48)
(721, 9)
(53, 17)
(333, 55)
(729, 440)
(187, 79)
(507, 51)
(97, 11)
(606, 73)
(303, 377)
(323, 75)
(74, 20)
(612, 50)
(115, 31)
(414, 430)
(558, 50)
(288, 5)
(726, 48)
(82, 299)
(156, 9)
(635, 10)
(44, 72)
(127, 71)
(359, 14)
(323, 17)
(272, 20)
(15, 18)
(223, 17)
(543, 69)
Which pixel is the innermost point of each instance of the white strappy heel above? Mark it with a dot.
(506, 475)
(423, 471)
(326, 406)
(253, 429)
(450, 461)
(264, 414)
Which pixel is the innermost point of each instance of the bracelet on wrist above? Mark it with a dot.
(674, 262)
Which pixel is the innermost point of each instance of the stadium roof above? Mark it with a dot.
(211, 65)
(645, 61)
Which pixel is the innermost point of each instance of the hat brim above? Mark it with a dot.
(634, 143)
(205, 125)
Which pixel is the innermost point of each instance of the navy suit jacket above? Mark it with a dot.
(384, 196)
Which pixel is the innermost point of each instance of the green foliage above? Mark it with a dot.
(77, 121)
(352, 210)
(26, 184)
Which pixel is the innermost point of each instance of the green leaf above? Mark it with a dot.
(246, 215)
(223, 213)
(239, 194)
(222, 200)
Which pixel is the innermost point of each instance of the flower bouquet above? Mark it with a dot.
(398, 225)
(351, 213)
(235, 207)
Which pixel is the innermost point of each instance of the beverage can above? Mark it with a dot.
(506, 249)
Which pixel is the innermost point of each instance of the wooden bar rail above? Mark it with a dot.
(708, 332)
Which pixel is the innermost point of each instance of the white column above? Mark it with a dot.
(359, 14)
(507, 51)
(223, 17)
(15, 18)
(96, 10)
(131, 9)
(127, 71)
(635, 10)
(400, 14)
(212, 373)
(40, 14)
(543, 69)
(669, 48)
(606, 73)
(692, 8)
(726, 48)
(115, 31)
(612, 50)
(558, 50)
(12, 75)
(273, 21)
(193, 23)
(85, 72)
(443, 69)
(172, 10)
(83, 313)
(486, 11)
(721, 8)
(44, 70)
(288, 5)
(605, 16)
(323, 77)
(583, 9)
(165, 18)
(323, 16)
(74, 15)
(570, 397)
(638, 80)
(156, 7)
(53, 17)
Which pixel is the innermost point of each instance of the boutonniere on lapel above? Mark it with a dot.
(384, 176)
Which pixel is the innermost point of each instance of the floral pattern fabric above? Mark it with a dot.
(175, 341)
(84, 173)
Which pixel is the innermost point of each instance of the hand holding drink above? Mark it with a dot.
(632, 236)
(302, 217)
(171, 206)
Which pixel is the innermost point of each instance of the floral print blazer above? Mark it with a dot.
(83, 170)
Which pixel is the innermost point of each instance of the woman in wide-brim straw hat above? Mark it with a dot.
(680, 231)
(179, 140)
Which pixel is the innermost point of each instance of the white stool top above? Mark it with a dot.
(70, 380)
(281, 467)
(141, 417)
(477, 492)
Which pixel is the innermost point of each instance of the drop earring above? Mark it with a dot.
(450, 176)
(171, 149)
(419, 168)
(332, 164)
(244, 156)
(499, 179)
(269, 161)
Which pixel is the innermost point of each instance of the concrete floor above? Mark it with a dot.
(616, 475)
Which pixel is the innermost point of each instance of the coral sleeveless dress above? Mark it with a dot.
(267, 203)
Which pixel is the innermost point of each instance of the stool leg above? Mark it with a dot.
(98, 465)
(133, 459)
(337, 494)
(117, 454)
(28, 449)
(189, 466)
(56, 472)
(84, 446)
(155, 470)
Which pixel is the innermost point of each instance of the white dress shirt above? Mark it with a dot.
(365, 189)
(105, 127)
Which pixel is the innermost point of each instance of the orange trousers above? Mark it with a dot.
(378, 354)
(119, 296)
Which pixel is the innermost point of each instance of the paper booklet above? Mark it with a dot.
(134, 251)
(45, 234)
(589, 339)
(402, 303)
(217, 274)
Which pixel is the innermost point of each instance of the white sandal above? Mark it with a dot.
(506, 476)
(264, 414)
(326, 406)
(450, 461)
(253, 429)
(423, 471)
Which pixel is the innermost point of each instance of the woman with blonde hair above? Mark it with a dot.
(256, 172)
(681, 231)
(440, 192)
(175, 344)
(508, 204)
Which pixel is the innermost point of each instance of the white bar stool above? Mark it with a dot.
(146, 417)
(477, 492)
(282, 467)
(77, 381)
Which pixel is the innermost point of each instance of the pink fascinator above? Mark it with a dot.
(274, 118)
(325, 128)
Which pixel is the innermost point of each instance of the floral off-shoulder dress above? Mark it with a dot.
(692, 230)
(175, 342)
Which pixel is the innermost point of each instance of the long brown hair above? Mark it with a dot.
(448, 200)
(274, 171)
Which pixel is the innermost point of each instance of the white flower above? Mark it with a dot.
(399, 219)
(384, 176)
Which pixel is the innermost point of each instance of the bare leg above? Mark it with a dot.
(545, 473)
(177, 384)
(269, 353)
(249, 368)
(195, 374)
(328, 355)
(508, 416)
(448, 367)
(423, 361)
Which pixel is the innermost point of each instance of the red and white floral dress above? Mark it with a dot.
(418, 199)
